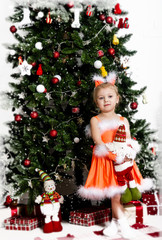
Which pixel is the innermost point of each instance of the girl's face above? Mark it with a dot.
(107, 99)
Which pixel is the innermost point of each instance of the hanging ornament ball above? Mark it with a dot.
(8, 200)
(109, 20)
(79, 82)
(70, 4)
(18, 118)
(34, 114)
(58, 76)
(111, 51)
(54, 80)
(12, 52)
(100, 53)
(75, 110)
(34, 64)
(40, 14)
(53, 133)
(102, 17)
(97, 64)
(134, 105)
(56, 54)
(76, 140)
(40, 88)
(26, 163)
(13, 29)
(39, 46)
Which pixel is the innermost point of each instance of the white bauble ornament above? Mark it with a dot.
(40, 15)
(39, 46)
(76, 140)
(40, 88)
(58, 76)
(98, 64)
(12, 52)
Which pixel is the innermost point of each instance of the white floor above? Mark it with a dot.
(79, 232)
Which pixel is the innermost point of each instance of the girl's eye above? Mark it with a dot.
(100, 98)
(110, 96)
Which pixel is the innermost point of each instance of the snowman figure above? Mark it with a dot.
(49, 204)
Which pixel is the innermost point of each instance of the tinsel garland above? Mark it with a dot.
(52, 4)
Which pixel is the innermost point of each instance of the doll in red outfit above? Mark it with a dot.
(49, 204)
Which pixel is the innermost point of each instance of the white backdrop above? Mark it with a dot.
(145, 20)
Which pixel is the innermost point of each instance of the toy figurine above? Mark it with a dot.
(49, 204)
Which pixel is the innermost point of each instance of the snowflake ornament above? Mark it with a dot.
(25, 68)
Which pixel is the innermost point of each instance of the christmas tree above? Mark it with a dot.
(60, 46)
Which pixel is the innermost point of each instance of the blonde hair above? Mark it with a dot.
(105, 85)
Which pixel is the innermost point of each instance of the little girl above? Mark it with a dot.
(102, 182)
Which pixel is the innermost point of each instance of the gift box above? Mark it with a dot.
(5, 212)
(135, 212)
(152, 201)
(90, 216)
(22, 223)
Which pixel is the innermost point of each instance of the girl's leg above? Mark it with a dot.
(117, 207)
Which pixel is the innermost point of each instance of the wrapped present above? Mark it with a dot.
(90, 216)
(22, 223)
(5, 212)
(152, 200)
(135, 212)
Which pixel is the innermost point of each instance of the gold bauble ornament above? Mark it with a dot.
(115, 40)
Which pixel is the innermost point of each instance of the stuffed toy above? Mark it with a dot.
(49, 204)
(123, 147)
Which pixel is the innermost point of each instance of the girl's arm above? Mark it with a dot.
(95, 131)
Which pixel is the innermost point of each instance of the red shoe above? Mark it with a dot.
(57, 226)
(48, 227)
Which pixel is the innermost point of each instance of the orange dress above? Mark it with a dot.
(102, 182)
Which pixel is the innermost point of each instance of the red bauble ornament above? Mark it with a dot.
(75, 110)
(45, 91)
(134, 105)
(34, 64)
(117, 9)
(79, 82)
(100, 53)
(109, 20)
(70, 4)
(53, 133)
(40, 71)
(54, 80)
(56, 54)
(18, 118)
(102, 17)
(34, 114)
(13, 29)
(26, 163)
(111, 51)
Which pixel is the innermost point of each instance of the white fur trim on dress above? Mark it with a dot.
(88, 131)
(146, 185)
(93, 193)
(110, 124)
(101, 150)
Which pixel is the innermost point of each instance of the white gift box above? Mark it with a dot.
(5, 212)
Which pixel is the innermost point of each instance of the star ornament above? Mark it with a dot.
(25, 68)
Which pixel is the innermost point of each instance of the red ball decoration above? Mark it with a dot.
(79, 82)
(56, 54)
(53, 133)
(111, 51)
(34, 114)
(75, 110)
(100, 53)
(34, 64)
(102, 17)
(134, 105)
(54, 80)
(18, 118)
(13, 29)
(26, 163)
(109, 20)
(8, 200)
(45, 91)
(70, 4)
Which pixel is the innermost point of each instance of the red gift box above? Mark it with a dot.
(151, 199)
(90, 216)
(135, 212)
(22, 223)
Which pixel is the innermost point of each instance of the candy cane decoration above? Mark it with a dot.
(76, 23)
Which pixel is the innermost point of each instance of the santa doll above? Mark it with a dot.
(49, 204)
(123, 147)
